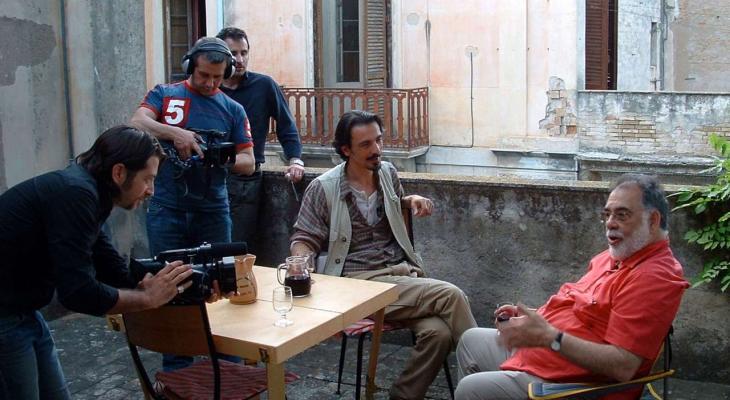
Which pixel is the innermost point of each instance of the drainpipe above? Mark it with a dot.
(664, 32)
(66, 85)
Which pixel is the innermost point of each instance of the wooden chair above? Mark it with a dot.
(549, 391)
(364, 327)
(185, 330)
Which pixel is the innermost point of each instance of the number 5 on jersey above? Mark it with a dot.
(175, 111)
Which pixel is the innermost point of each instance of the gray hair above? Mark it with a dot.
(653, 197)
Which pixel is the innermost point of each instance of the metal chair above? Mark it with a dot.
(364, 327)
(360, 330)
(185, 330)
(549, 391)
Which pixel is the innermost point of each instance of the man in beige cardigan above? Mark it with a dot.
(353, 212)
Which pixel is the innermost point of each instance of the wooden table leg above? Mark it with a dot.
(275, 381)
(374, 350)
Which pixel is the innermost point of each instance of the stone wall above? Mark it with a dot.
(515, 240)
(655, 124)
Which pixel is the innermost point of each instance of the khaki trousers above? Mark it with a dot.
(438, 313)
(479, 355)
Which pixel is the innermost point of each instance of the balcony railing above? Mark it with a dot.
(404, 113)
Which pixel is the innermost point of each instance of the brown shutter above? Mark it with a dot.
(375, 44)
(597, 45)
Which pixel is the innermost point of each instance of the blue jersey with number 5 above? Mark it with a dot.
(196, 188)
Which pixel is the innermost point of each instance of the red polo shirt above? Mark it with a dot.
(629, 304)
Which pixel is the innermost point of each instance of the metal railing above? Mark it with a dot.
(404, 113)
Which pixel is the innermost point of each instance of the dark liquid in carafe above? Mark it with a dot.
(300, 286)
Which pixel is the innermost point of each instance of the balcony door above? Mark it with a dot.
(352, 46)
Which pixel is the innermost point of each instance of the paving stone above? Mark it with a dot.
(98, 366)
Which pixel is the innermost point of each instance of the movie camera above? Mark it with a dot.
(210, 262)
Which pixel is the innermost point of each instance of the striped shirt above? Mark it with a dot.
(372, 246)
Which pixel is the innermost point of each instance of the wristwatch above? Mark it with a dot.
(555, 344)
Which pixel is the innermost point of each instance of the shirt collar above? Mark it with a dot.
(346, 189)
(637, 258)
(106, 203)
(192, 89)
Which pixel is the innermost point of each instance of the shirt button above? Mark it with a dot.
(337, 261)
(344, 239)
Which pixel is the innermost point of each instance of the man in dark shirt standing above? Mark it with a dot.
(51, 240)
(262, 99)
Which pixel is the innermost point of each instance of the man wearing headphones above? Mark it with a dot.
(190, 205)
(262, 98)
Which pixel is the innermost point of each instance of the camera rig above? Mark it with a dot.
(210, 262)
(216, 154)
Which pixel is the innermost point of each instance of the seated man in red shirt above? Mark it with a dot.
(607, 326)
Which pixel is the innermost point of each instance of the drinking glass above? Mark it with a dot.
(283, 302)
(504, 315)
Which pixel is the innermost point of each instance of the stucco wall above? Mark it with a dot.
(651, 124)
(32, 113)
(700, 38)
(515, 48)
(518, 241)
(106, 82)
(105, 42)
(280, 36)
(634, 43)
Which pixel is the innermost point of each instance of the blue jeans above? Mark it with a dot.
(29, 366)
(169, 229)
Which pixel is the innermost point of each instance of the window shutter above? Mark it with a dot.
(597, 45)
(375, 44)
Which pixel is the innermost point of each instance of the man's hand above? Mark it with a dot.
(421, 206)
(217, 295)
(186, 142)
(163, 286)
(527, 329)
(295, 173)
(505, 312)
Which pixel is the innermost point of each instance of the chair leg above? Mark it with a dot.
(358, 378)
(447, 372)
(343, 348)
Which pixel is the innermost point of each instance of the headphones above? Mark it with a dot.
(209, 44)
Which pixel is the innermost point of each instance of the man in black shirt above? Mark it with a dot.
(262, 99)
(51, 240)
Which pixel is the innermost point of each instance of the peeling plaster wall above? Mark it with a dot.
(32, 114)
(106, 81)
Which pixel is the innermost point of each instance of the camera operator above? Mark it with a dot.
(51, 240)
(190, 205)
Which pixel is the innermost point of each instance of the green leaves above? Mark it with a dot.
(712, 200)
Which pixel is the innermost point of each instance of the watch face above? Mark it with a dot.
(555, 344)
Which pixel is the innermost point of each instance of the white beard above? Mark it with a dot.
(633, 243)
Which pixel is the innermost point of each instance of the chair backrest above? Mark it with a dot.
(175, 329)
(171, 329)
(408, 220)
